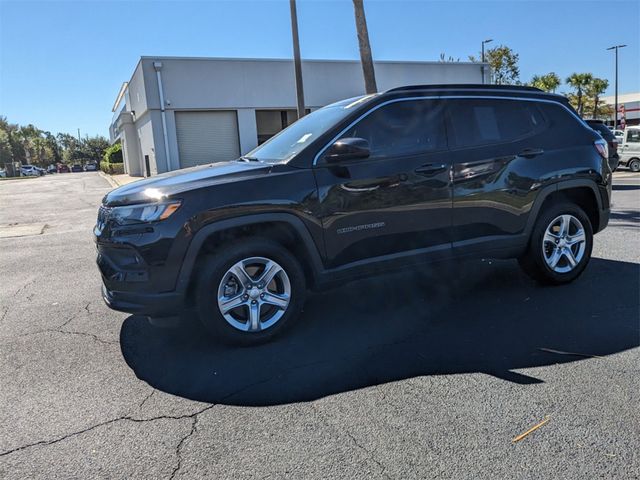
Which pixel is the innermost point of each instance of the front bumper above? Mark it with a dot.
(146, 304)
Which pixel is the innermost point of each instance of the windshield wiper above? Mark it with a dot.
(249, 159)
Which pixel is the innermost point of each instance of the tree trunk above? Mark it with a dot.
(579, 102)
(365, 48)
(595, 107)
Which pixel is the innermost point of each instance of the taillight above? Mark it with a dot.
(601, 147)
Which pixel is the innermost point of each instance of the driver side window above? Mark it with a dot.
(402, 128)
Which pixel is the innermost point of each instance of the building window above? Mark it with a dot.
(270, 122)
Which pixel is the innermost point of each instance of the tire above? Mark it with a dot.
(544, 248)
(634, 165)
(236, 325)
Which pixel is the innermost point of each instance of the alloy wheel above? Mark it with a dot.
(564, 243)
(254, 294)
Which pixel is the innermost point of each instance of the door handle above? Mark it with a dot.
(430, 168)
(531, 152)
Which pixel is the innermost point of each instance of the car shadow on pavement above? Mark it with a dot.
(479, 316)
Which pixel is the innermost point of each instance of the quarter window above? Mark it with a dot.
(402, 128)
(476, 122)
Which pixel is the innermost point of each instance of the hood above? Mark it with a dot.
(178, 181)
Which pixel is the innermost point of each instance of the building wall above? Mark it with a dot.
(245, 85)
(225, 84)
(631, 102)
(137, 95)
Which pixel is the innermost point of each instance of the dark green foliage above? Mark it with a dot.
(29, 144)
(112, 168)
(113, 154)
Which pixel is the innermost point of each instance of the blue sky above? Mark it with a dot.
(62, 63)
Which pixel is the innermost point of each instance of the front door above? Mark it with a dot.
(398, 200)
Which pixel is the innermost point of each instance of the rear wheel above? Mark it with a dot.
(250, 291)
(634, 165)
(560, 245)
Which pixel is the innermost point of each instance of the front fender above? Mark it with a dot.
(206, 231)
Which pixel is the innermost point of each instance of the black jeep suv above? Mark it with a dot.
(356, 188)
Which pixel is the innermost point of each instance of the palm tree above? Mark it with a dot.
(579, 81)
(548, 83)
(365, 48)
(596, 87)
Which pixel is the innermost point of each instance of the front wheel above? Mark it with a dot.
(250, 291)
(560, 245)
(634, 165)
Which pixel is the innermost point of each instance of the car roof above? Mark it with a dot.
(507, 91)
(466, 87)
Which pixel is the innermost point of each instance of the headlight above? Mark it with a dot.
(143, 213)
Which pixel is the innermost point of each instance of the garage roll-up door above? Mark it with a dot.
(207, 137)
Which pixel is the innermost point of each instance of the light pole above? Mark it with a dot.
(297, 64)
(615, 108)
(489, 40)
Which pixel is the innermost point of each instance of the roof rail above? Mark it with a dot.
(465, 86)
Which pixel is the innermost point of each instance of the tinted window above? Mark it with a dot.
(602, 130)
(286, 144)
(482, 122)
(633, 136)
(402, 128)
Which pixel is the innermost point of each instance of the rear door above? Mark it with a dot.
(397, 200)
(495, 147)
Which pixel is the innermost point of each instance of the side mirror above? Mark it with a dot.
(351, 148)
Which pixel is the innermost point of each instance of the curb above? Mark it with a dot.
(112, 181)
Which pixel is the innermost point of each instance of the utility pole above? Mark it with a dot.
(489, 40)
(79, 139)
(615, 108)
(366, 59)
(297, 63)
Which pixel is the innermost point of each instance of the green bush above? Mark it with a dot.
(113, 154)
(112, 168)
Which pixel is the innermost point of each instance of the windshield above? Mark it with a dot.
(286, 144)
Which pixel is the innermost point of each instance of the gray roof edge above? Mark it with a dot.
(304, 60)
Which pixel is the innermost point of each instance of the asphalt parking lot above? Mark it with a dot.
(424, 374)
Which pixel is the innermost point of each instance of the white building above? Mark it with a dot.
(178, 112)
(631, 102)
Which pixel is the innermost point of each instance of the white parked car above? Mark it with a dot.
(29, 171)
(629, 149)
(619, 134)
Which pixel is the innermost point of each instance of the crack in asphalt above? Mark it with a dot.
(126, 418)
(153, 390)
(56, 329)
(67, 332)
(368, 453)
(7, 309)
(176, 469)
(73, 317)
(95, 337)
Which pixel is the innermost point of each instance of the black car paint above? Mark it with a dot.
(603, 130)
(356, 217)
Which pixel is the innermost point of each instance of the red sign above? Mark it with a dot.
(622, 115)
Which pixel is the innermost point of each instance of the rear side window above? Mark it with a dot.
(633, 136)
(477, 122)
(403, 128)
